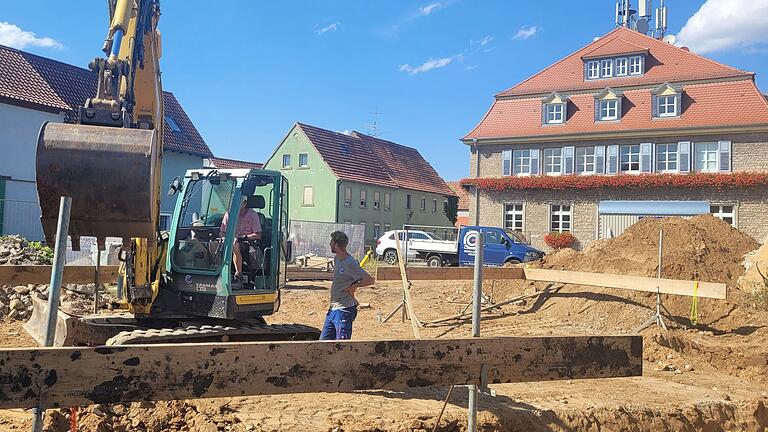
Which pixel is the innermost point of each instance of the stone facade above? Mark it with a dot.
(749, 152)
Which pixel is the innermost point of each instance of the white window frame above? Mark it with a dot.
(606, 107)
(636, 65)
(522, 159)
(553, 163)
(286, 162)
(376, 199)
(621, 66)
(606, 68)
(518, 216)
(363, 198)
(593, 69)
(506, 162)
(348, 197)
(387, 201)
(665, 156)
(706, 155)
(305, 164)
(720, 214)
(376, 231)
(631, 155)
(586, 159)
(555, 113)
(423, 205)
(169, 219)
(434, 205)
(311, 202)
(556, 210)
(669, 103)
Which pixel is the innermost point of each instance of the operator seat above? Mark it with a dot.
(257, 202)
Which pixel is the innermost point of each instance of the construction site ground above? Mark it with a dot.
(708, 378)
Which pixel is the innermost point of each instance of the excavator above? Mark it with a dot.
(174, 286)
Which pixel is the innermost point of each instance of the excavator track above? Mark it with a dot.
(216, 333)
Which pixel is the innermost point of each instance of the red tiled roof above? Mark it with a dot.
(614, 47)
(366, 159)
(43, 84)
(732, 103)
(462, 193)
(234, 163)
(665, 62)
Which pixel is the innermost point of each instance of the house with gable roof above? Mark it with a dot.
(360, 179)
(624, 128)
(34, 90)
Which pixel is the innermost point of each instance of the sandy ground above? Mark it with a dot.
(720, 383)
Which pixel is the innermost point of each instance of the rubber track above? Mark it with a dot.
(216, 333)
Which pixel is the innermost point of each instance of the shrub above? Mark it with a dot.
(558, 240)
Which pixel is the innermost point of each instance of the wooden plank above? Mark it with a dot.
(415, 323)
(41, 274)
(81, 376)
(448, 273)
(637, 283)
(294, 274)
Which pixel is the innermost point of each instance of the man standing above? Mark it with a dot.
(247, 230)
(348, 276)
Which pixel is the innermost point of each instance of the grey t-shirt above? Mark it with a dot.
(345, 273)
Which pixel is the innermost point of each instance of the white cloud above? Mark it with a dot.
(427, 66)
(469, 68)
(722, 24)
(14, 37)
(428, 9)
(328, 28)
(525, 33)
(485, 40)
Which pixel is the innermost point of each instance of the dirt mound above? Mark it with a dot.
(702, 248)
(15, 250)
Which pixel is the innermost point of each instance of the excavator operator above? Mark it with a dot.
(247, 230)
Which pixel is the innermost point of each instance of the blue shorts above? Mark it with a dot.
(338, 324)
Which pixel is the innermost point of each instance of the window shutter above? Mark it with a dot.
(724, 155)
(543, 113)
(646, 151)
(568, 160)
(613, 159)
(684, 156)
(679, 103)
(655, 105)
(618, 107)
(642, 65)
(534, 161)
(597, 109)
(599, 159)
(506, 162)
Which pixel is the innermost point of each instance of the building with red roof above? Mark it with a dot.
(626, 127)
(358, 179)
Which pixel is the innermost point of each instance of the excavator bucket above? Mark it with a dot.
(109, 174)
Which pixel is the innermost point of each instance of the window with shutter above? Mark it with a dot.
(725, 155)
(613, 159)
(568, 160)
(553, 161)
(684, 156)
(599, 159)
(506, 157)
(646, 157)
(534, 161)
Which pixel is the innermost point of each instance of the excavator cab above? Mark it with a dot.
(200, 270)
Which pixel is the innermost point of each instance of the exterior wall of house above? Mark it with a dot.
(748, 153)
(174, 164)
(316, 175)
(393, 218)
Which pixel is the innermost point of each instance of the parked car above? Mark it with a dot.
(500, 246)
(386, 246)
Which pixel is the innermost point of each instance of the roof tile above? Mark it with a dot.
(234, 163)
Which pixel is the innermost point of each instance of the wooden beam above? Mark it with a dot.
(415, 323)
(63, 377)
(448, 273)
(41, 274)
(637, 283)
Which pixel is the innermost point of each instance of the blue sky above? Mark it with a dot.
(245, 71)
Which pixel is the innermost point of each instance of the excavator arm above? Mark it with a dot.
(109, 162)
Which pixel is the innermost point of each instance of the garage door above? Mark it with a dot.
(616, 216)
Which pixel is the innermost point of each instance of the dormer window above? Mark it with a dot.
(606, 68)
(608, 105)
(635, 65)
(621, 66)
(554, 109)
(666, 101)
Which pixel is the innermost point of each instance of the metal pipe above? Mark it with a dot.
(54, 291)
(96, 281)
(477, 175)
(477, 293)
(117, 39)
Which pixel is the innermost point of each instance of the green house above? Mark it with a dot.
(356, 178)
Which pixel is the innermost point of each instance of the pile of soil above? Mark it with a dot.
(703, 248)
(15, 250)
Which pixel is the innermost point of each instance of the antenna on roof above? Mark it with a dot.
(661, 20)
(374, 126)
(640, 19)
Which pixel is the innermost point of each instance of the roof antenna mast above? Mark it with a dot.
(640, 19)
(374, 126)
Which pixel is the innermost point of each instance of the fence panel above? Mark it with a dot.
(313, 237)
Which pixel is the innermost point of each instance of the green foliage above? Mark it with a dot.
(759, 293)
(45, 253)
(452, 209)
